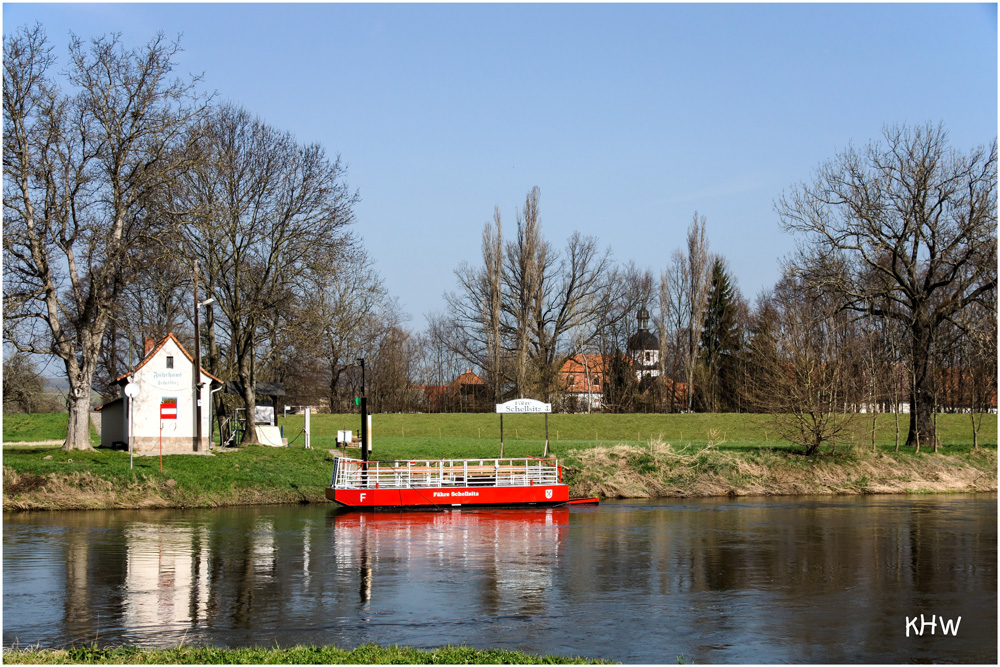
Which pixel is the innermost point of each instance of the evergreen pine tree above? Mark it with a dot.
(719, 345)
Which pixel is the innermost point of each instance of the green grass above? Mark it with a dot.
(476, 435)
(40, 427)
(35, 428)
(41, 477)
(368, 654)
(267, 473)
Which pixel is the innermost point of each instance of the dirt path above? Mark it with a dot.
(39, 443)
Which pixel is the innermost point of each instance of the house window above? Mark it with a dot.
(170, 362)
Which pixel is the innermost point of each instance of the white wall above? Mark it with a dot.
(155, 382)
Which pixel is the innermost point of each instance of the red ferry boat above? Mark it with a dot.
(448, 483)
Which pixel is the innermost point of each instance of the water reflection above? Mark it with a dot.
(804, 580)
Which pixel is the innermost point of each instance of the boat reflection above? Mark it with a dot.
(513, 552)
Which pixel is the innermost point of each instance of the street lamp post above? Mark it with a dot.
(197, 360)
(364, 413)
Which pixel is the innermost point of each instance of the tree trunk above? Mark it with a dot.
(922, 391)
(247, 378)
(78, 431)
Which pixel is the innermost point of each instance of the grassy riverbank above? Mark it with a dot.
(368, 654)
(671, 456)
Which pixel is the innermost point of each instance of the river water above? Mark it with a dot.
(818, 580)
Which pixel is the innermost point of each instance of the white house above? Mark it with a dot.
(163, 404)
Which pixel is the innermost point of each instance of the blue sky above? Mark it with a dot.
(627, 117)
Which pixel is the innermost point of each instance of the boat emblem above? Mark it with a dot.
(548, 493)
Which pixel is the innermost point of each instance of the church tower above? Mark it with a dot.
(644, 349)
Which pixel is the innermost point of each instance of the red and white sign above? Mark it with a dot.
(168, 408)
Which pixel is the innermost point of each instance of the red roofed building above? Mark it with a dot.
(468, 393)
(583, 379)
(164, 405)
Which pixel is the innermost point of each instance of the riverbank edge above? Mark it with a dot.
(656, 470)
(662, 470)
(367, 654)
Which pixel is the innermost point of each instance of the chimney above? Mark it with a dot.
(148, 343)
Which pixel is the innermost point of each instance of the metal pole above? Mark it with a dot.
(364, 416)
(131, 423)
(197, 365)
(545, 455)
(211, 423)
(501, 435)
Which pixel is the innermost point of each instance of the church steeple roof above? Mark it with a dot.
(642, 339)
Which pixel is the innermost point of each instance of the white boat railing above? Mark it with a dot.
(440, 473)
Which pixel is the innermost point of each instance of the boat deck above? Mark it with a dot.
(444, 473)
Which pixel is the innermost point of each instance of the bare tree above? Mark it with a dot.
(83, 170)
(549, 302)
(698, 274)
(476, 311)
(528, 262)
(22, 384)
(905, 229)
(273, 222)
(626, 290)
(804, 375)
(492, 306)
(571, 301)
(156, 303)
(350, 305)
(439, 363)
(672, 324)
(392, 365)
(968, 379)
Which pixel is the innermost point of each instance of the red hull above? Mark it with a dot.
(448, 497)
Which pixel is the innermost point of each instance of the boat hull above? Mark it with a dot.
(451, 497)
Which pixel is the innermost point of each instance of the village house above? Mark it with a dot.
(163, 405)
(583, 377)
(467, 393)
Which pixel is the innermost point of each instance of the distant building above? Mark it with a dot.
(583, 381)
(164, 407)
(644, 349)
(468, 393)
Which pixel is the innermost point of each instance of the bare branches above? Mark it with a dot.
(82, 170)
(905, 229)
(270, 230)
(527, 308)
(804, 373)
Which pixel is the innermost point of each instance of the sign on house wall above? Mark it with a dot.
(168, 379)
(168, 408)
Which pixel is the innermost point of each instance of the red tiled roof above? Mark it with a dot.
(468, 377)
(575, 373)
(432, 392)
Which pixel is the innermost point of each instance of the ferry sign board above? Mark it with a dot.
(522, 406)
(168, 408)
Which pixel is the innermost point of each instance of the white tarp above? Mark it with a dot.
(270, 435)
